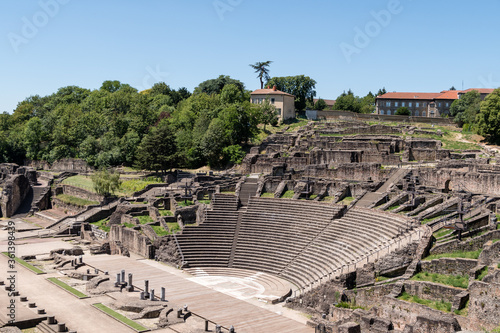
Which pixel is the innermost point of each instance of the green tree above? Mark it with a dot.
(268, 114)
(403, 111)
(215, 86)
(301, 86)
(111, 86)
(157, 150)
(488, 119)
(348, 102)
(262, 70)
(381, 91)
(320, 104)
(465, 109)
(106, 183)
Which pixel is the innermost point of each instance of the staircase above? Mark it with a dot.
(248, 189)
(371, 198)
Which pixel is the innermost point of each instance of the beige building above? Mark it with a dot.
(422, 104)
(284, 103)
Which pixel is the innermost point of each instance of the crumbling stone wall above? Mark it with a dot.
(132, 240)
(484, 305)
(453, 266)
(465, 245)
(13, 193)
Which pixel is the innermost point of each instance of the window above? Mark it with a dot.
(381, 111)
(423, 113)
(417, 113)
(417, 104)
(424, 104)
(387, 103)
(439, 104)
(410, 104)
(272, 100)
(403, 104)
(389, 112)
(396, 104)
(279, 112)
(447, 104)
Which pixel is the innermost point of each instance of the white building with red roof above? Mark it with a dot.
(284, 103)
(422, 104)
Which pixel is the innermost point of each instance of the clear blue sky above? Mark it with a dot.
(422, 46)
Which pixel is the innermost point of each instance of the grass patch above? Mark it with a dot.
(206, 202)
(442, 232)
(185, 203)
(328, 198)
(425, 221)
(464, 311)
(101, 224)
(483, 273)
(120, 317)
(144, 219)
(29, 266)
(381, 278)
(347, 200)
(438, 305)
(288, 194)
(80, 181)
(129, 225)
(159, 230)
(69, 199)
(66, 287)
(457, 254)
(133, 185)
(173, 226)
(165, 212)
(347, 305)
(313, 196)
(459, 281)
(394, 207)
(267, 195)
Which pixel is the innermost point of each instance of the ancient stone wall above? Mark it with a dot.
(432, 291)
(453, 266)
(466, 245)
(14, 190)
(132, 240)
(81, 193)
(484, 305)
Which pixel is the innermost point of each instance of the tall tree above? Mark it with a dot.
(215, 86)
(488, 119)
(465, 109)
(301, 86)
(157, 150)
(262, 70)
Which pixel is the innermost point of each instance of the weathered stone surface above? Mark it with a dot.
(490, 254)
(484, 304)
(454, 266)
(14, 190)
(397, 261)
(435, 324)
(75, 251)
(350, 327)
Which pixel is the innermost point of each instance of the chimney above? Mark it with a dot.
(274, 88)
(267, 87)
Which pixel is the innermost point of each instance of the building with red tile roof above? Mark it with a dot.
(284, 102)
(422, 104)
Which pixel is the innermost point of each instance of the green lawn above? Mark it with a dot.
(267, 195)
(185, 203)
(206, 202)
(144, 219)
(128, 186)
(442, 232)
(288, 195)
(438, 305)
(159, 230)
(101, 224)
(347, 200)
(459, 281)
(483, 273)
(120, 317)
(20, 261)
(66, 287)
(165, 212)
(457, 254)
(69, 199)
(173, 226)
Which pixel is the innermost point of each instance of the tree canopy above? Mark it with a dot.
(403, 111)
(465, 109)
(215, 86)
(301, 86)
(488, 119)
(349, 102)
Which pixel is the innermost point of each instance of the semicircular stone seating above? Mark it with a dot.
(298, 240)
